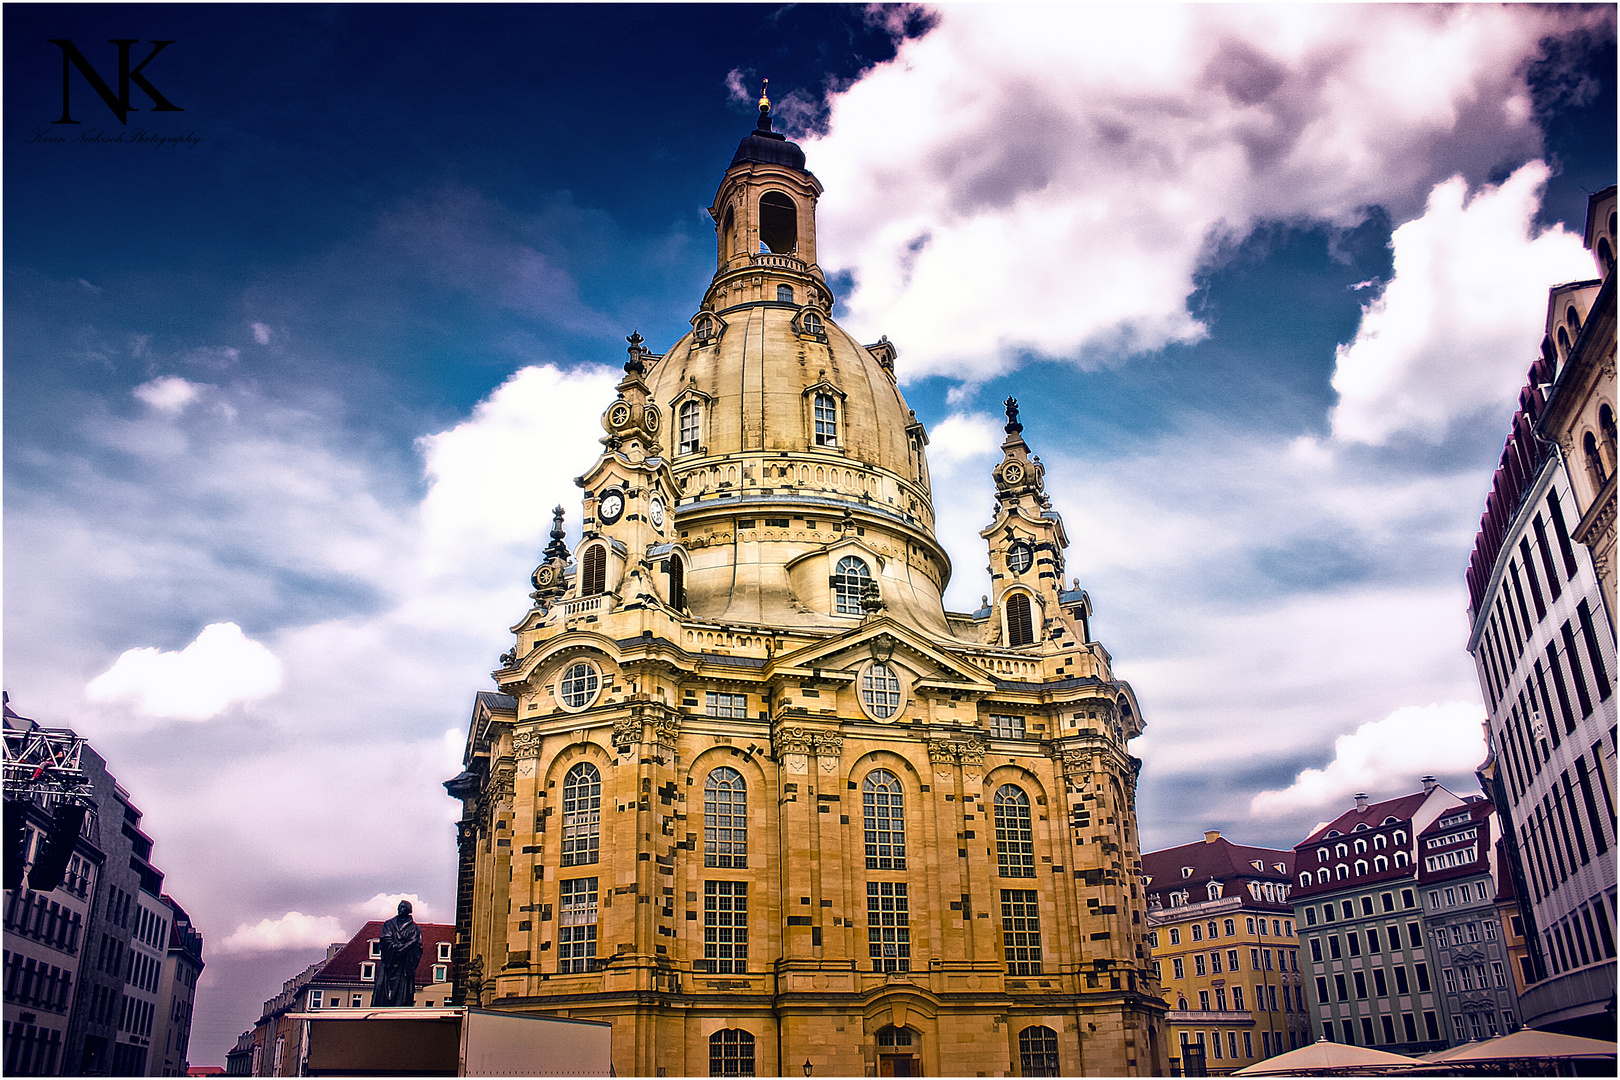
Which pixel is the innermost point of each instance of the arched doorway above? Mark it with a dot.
(899, 1052)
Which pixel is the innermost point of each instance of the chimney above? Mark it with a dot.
(1361, 801)
(1211, 835)
(1429, 784)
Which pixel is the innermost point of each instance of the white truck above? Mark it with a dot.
(457, 1041)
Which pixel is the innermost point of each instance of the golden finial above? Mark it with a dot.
(764, 96)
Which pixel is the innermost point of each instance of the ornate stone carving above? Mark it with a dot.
(971, 753)
(503, 785)
(626, 732)
(526, 744)
(790, 740)
(669, 731)
(940, 752)
(827, 744)
(1074, 761)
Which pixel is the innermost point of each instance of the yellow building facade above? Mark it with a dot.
(747, 790)
(1221, 933)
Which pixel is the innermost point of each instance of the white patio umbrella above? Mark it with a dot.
(1322, 1058)
(1530, 1044)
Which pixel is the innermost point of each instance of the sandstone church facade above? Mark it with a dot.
(747, 790)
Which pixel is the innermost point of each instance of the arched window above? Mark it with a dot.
(582, 815)
(1563, 343)
(811, 323)
(1605, 254)
(725, 819)
(848, 582)
(1197, 932)
(1212, 930)
(1015, 840)
(1341, 851)
(1594, 460)
(688, 421)
(677, 584)
(778, 223)
(1400, 836)
(1038, 1052)
(1361, 867)
(1231, 927)
(1380, 841)
(1213, 888)
(1380, 864)
(731, 1053)
(728, 234)
(1321, 855)
(784, 294)
(1020, 625)
(704, 328)
(1341, 871)
(1361, 845)
(883, 807)
(1400, 859)
(1305, 880)
(880, 691)
(1322, 875)
(826, 420)
(593, 576)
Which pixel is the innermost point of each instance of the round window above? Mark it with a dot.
(880, 691)
(579, 686)
(1020, 557)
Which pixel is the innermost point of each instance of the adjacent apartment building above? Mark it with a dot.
(1541, 583)
(1360, 918)
(1221, 930)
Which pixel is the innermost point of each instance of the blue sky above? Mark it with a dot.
(286, 407)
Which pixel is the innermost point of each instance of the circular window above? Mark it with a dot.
(1020, 557)
(1012, 472)
(650, 418)
(619, 415)
(579, 686)
(880, 691)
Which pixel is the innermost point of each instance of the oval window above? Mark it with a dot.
(579, 686)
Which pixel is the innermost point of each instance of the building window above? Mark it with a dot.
(730, 706)
(731, 1053)
(315, 999)
(1178, 967)
(1038, 1052)
(368, 971)
(374, 948)
(725, 819)
(1021, 931)
(849, 581)
(1015, 840)
(1006, 727)
(576, 933)
(582, 815)
(705, 328)
(725, 926)
(826, 407)
(888, 926)
(444, 950)
(1175, 936)
(883, 806)
(811, 323)
(1230, 926)
(676, 577)
(687, 421)
(784, 294)
(1020, 623)
(440, 973)
(880, 691)
(579, 685)
(593, 573)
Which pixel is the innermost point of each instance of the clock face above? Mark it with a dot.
(610, 507)
(1013, 473)
(657, 512)
(544, 576)
(619, 415)
(1020, 558)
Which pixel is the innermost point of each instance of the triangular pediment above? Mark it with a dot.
(888, 637)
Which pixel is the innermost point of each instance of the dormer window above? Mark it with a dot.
(688, 428)
(1186, 871)
(850, 579)
(704, 328)
(812, 323)
(826, 420)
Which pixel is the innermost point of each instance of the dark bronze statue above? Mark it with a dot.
(401, 946)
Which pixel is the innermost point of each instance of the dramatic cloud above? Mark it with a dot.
(386, 906)
(1076, 166)
(261, 333)
(294, 930)
(221, 668)
(170, 393)
(1386, 757)
(1460, 321)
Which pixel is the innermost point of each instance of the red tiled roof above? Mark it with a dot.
(345, 966)
(1217, 859)
(1400, 809)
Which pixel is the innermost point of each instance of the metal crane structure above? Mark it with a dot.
(43, 765)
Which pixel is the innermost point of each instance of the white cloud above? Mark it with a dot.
(261, 333)
(1077, 165)
(1459, 322)
(168, 393)
(386, 906)
(1386, 757)
(294, 930)
(221, 668)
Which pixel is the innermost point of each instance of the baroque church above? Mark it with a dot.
(747, 790)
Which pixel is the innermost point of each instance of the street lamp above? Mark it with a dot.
(808, 1068)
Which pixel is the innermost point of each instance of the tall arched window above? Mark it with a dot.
(826, 420)
(688, 428)
(1015, 842)
(884, 810)
(1020, 624)
(676, 576)
(848, 582)
(778, 223)
(725, 819)
(784, 294)
(731, 1053)
(582, 815)
(593, 575)
(1038, 1052)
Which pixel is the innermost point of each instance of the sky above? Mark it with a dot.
(294, 372)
